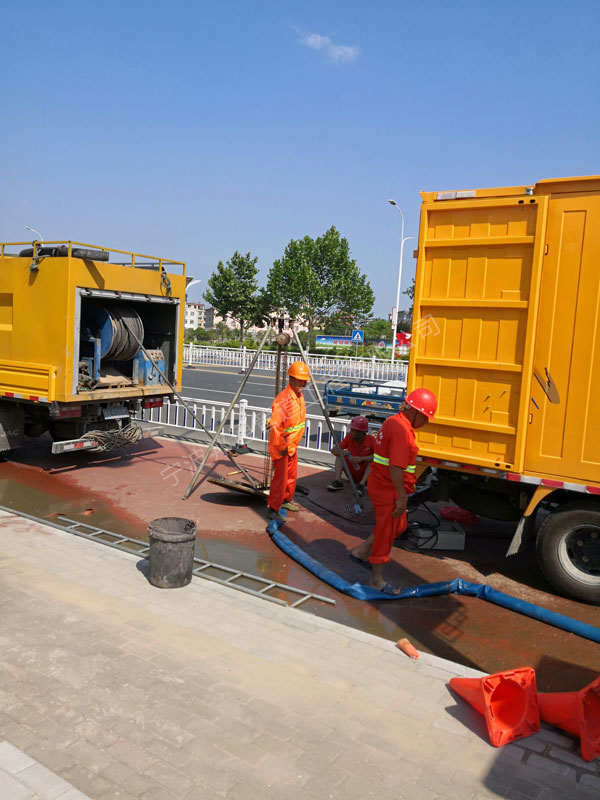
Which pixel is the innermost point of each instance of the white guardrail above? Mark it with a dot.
(246, 423)
(373, 368)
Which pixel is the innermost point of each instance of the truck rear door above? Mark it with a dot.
(476, 294)
(564, 432)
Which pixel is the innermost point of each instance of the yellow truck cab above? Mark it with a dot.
(87, 335)
(506, 332)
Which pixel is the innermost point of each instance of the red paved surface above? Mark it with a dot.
(124, 491)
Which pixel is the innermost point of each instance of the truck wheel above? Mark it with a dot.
(568, 551)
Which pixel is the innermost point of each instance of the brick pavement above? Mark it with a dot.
(115, 689)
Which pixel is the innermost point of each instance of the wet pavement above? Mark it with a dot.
(123, 492)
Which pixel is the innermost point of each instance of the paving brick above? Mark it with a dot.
(126, 778)
(171, 778)
(12, 759)
(11, 787)
(591, 781)
(87, 781)
(42, 781)
(554, 767)
(560, 754)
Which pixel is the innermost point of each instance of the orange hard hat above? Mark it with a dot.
(423, 400)
(299, 370)
(359, 424)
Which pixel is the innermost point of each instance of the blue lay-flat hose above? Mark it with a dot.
(456, 586)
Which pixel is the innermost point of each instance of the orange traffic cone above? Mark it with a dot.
(507, 700)
(578, 713)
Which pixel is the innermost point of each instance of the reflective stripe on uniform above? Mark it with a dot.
(294, 428)
(386, 462)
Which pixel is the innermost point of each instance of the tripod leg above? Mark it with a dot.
(190, 488)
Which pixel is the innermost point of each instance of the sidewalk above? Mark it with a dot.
(112, 688)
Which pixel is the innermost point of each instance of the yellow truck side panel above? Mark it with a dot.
(29, 380)
(476, 295)
(564, 436)
(506, 329)
(38, 321)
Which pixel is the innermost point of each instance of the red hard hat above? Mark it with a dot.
(359, 424)
(299, 370)
(424, 401)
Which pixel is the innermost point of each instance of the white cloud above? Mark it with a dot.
(334, 52)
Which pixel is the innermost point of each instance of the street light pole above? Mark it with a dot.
(395, 313)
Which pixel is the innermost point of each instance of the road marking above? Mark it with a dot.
(223, 391)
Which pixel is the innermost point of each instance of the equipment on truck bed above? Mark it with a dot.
(86, 338)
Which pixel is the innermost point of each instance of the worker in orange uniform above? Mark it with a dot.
(391, 479)
(286, 431)
(357, 447)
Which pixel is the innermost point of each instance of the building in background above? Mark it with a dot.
(212, 319)
(195, 315)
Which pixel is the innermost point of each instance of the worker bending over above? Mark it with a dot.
(392, 478)
(357, 447)
(287, 424)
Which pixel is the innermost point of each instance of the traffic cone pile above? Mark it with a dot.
(512, 708)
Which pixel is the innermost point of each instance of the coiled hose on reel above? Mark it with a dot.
(125, 322)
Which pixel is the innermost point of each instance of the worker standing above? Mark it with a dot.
(287, 425)
(357, 447)
(392, 478)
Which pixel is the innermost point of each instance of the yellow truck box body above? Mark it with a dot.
(506, 329)
(39, 325)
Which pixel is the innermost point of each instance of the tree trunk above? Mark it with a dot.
(309, 337)
(241, 334)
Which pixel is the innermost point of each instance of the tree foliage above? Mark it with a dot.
(233, 291)
(316, 279)
(378, 329)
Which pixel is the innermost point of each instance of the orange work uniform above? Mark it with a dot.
(395, 446)
(287, 426)
(358, 449)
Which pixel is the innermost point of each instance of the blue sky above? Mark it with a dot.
(193, 129)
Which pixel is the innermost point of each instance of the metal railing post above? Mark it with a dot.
(241, 433)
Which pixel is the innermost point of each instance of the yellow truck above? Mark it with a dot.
(87, 337)
(506, 332)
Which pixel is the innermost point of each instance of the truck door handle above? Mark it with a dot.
(547, 385)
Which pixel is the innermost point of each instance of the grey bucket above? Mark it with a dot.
(172, 541)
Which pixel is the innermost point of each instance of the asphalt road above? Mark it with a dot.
(220, 384)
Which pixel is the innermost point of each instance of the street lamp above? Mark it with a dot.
(395, 313)
(191, 283)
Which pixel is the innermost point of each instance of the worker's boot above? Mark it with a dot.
(290, 506)
(335, 486)
(272, 514)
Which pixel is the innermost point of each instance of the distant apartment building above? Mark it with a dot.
(212, 319)
(195, 315)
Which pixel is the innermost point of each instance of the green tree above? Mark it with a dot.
(378, 329)
(410, 292)
(317, 278)
(233, 290)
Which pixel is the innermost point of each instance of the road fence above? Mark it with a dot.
(247, 424)
(373, 368)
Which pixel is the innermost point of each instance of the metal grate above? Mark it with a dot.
(201, 566)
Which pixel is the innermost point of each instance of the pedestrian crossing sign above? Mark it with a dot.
(358, 337)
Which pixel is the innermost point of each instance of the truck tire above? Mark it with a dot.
(568, 551)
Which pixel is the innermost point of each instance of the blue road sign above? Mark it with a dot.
(358, 337)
